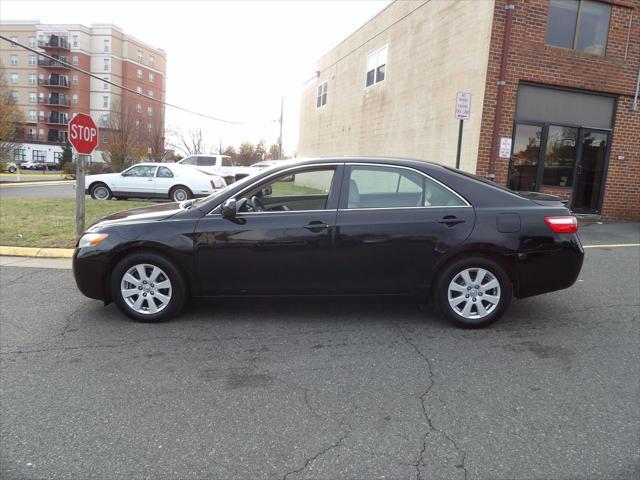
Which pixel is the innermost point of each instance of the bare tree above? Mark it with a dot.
(126, 140)
(156, 137)
(189, 143)
(10, 118)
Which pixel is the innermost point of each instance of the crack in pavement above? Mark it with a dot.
(68, 319)
(312, 459)
(422, 397)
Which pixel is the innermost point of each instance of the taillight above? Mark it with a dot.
(563, 224)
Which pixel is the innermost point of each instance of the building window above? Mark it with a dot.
(32, 79)
(150, 111)
(33, 98)
(15, 78)
(39, 155)
(152, 60)
(151, 93)
(581, 25)
(321, 97)
(19, 155)
(139, 73)
(138, 89)
(377, 66)
(14, 60)
(75, 40)
(32, 42)
(74, 79)
(32, 115)
(14, 41)
(32, 60)
(152, 77)
(137, 123)
(104, 120)
(41, 97)
(74, 60)
(74, 98)
(105, 85)
(140, 56)
(107, 46)
(41, 115)
(105, 101)
(106, 64)
(149, 127)
(138, 108)
(105, 139)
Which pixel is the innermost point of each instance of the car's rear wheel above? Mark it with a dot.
(147, 287)
(100, 191)
(180, 193)
(473, 292)
(12, 169)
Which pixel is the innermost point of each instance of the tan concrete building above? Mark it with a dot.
(50, 93)
(555, 104)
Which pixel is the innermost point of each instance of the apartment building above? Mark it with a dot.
(50, 93)
(552, 82)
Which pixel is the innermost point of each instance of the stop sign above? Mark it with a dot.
(83, 133)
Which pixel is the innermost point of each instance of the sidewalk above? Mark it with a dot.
(57, 263)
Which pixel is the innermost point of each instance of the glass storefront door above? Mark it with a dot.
(590, 169)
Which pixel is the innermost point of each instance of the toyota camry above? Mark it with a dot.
(341, 226)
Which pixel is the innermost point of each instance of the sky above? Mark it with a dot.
(229, 59)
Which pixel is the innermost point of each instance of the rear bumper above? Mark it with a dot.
(550, 270)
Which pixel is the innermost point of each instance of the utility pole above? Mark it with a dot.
(280, 137)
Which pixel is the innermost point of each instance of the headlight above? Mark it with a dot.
(92, 239)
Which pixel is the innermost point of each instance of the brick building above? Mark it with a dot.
(556, 78)
(50, 93)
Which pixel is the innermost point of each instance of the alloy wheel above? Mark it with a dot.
(146, 289)
(101, 193)
(474, 293)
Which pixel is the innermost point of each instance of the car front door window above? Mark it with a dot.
(141, 171)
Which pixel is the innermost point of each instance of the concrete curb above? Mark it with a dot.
(36, 252)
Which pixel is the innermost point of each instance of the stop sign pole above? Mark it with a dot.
(83, 135)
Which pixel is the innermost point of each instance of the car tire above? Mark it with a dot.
(180, 193)
(127, 280)
(100, 191)
(466, 306)
(12, 169)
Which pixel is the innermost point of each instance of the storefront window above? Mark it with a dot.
(560, 156)
(524, 160)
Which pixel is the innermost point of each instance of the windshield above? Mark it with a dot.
(219, 193)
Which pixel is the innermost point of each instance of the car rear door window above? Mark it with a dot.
(206, 161)
(164, 172)
(392, 187)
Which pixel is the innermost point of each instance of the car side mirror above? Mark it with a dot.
(229, 208)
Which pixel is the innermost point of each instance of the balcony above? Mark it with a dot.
(50, 102)
(56, 83)
(55, 41)
(56, 120)
(46, 63)
(56, 136)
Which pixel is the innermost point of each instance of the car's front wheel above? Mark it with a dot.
(180, 193)
(473, 292)
(12, 169)
(147, 287)
(100, 191)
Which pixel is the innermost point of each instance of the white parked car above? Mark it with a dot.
(154, 180)
(218, 164)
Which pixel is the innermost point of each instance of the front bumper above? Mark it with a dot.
(90, 272)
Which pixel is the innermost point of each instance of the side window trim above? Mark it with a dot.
(347, 176)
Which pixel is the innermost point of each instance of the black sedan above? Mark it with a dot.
(343, 226)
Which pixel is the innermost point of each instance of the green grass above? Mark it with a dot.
(50, 222)
(290, 188)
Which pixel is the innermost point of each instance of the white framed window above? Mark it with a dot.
(74, 60)
(41, 115)
(104, 120)
(151, 93)
(73, 115)
(14, 96)
(106, 65)
(137, 123)
(32, 115)
(138, 108)
(15, 78)
(41, 133)
(149, 127)
(105, 101)
(140, 56)
(138, 89)
(321, 95)
(41, 97)
(14, 40)
(377, 66)
(139, 73)
(32, 42)
(32, 79)
(150, 111)
(74, 79)
(75, 41)
(152, 77)
(105, 85)
(74, 98)
(33, 97)
(107, 45)
(14, 60)
(32, 60)
(152, 60)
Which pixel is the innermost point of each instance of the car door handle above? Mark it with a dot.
(316, 226)
(451, 220)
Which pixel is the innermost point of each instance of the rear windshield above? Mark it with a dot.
(483, 180)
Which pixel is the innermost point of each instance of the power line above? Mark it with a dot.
(148, 97)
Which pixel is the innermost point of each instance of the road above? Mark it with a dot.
(325, 388)
(59, 189)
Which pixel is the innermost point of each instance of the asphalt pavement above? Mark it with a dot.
(324, 388)
(55, 189)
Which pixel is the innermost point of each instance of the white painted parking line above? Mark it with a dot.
(613, 245)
